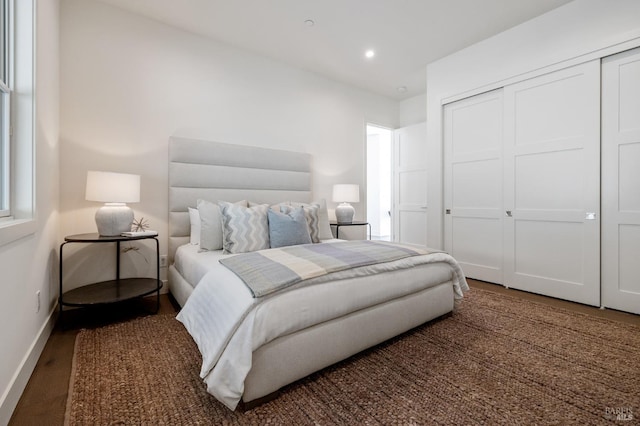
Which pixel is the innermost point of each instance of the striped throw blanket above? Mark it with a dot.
(267, 271)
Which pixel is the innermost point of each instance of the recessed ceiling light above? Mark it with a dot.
(369, 54)
(401, 89)
(309, 22)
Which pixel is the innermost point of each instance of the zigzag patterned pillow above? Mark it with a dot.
(245, 229)
(210, 224)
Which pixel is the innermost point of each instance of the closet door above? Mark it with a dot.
(621, 181)
(473, 184)
(552, 184)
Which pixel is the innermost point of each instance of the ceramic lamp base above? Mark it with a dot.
(113, 219)
(344, 213)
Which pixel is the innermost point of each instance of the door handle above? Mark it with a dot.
(447, 211)
(590, 216)
(509, 214)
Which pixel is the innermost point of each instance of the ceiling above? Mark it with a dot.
(406, 35)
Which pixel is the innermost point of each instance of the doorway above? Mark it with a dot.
(379, 181)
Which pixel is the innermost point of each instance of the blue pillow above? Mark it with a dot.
(288, 229)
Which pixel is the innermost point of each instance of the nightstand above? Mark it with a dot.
(112, 291)
(354, 223)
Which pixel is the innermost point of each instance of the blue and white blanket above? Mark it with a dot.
(267, 271)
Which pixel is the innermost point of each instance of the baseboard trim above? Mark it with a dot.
(9, 400)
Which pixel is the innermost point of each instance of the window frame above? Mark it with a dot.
(5, 151)
(5, 8)
(6, 71)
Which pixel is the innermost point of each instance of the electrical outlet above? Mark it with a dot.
(163, 261)
(37, 301)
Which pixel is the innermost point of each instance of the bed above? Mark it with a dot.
(255, 343)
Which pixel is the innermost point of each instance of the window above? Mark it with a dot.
(5, 108)
(17, 118)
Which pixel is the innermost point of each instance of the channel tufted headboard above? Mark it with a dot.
(218, 171)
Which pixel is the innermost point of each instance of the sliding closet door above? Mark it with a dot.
(473, 184)
(621, 181)
(552, 184)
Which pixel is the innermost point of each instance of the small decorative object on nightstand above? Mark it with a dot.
(140, 225)
(115, 190)
(345, 194)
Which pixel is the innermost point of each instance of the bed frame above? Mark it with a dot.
(218, 171)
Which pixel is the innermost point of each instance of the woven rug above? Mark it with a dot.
(497, 360)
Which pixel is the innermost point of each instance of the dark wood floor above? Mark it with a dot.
(44, 399)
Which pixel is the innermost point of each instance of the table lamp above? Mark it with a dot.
(345, 194)
(115, 190)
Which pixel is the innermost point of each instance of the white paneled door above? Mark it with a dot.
(621, 181)
(552, 184)
(473, 184)
(410, 184)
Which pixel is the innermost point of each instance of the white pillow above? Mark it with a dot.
(211, 224)
(245, 229)
(324, 230)
(194, 219)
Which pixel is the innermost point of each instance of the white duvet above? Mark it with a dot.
(228, 324)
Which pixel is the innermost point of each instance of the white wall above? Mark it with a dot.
(30, 264)
(128, 83)
(575, 32)
(412, 110)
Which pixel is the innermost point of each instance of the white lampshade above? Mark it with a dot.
(346, 193)
(113, 189)
(109, 187)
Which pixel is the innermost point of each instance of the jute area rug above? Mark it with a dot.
(497, 360)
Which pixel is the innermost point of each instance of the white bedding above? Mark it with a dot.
(228, 324)
(193, 264)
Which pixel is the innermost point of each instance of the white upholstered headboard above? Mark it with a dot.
(217, 171)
